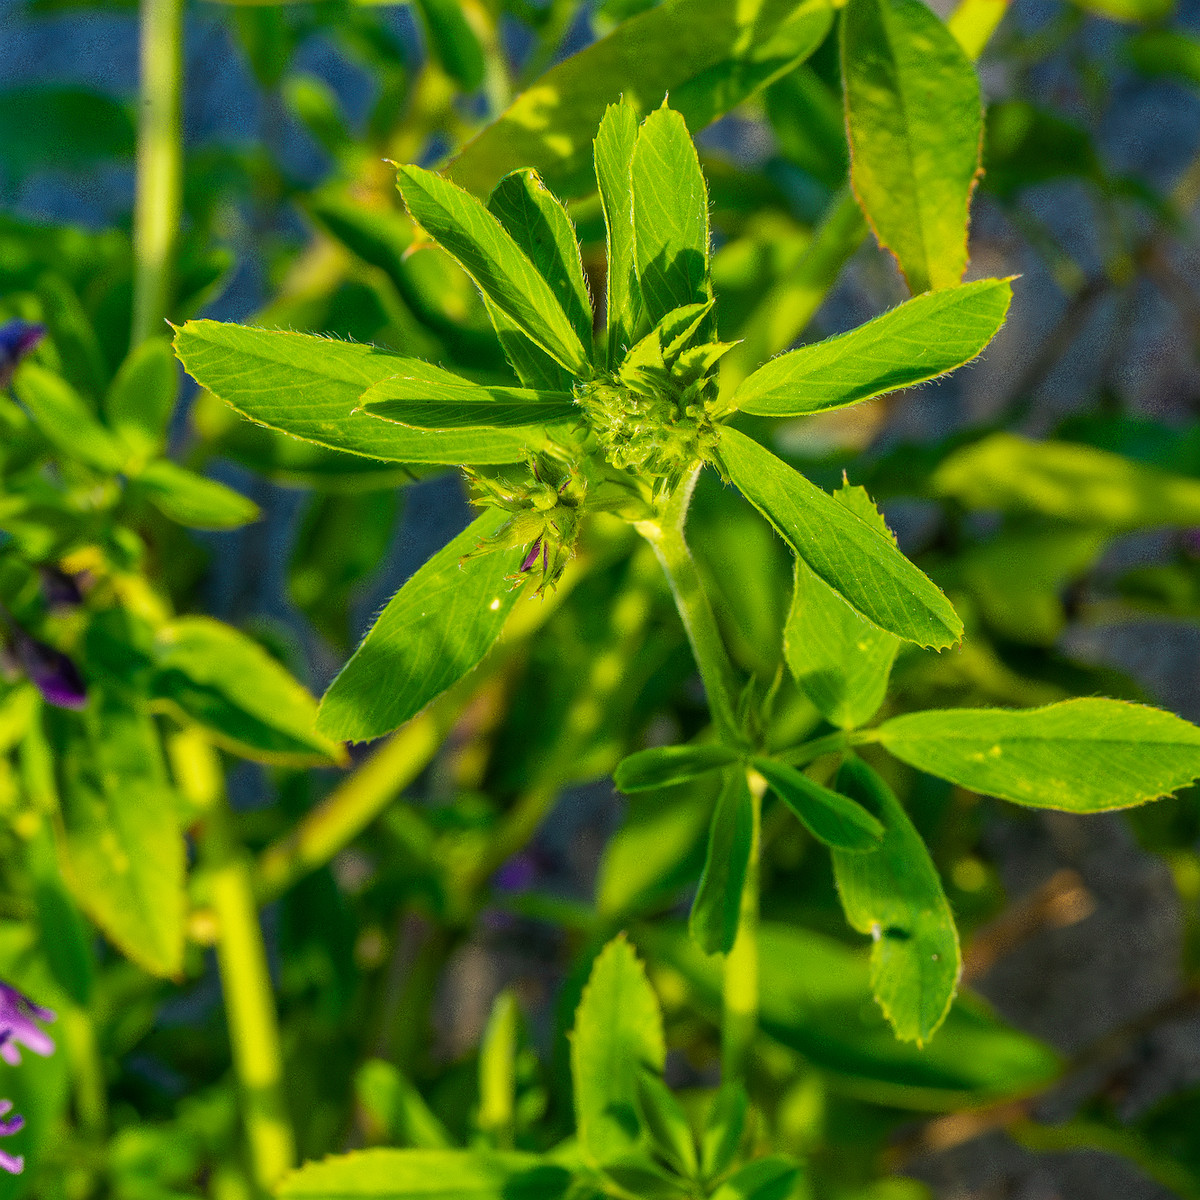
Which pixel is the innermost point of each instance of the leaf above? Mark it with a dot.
(142, 397)
(618, 1033)
(500, 268)
(192, 499)
(1069, 482)
(724, 1124)
(64, 127)
(245, 699)
(613, 154)
(438, 400)
(1084, 755)
(861, 564)
(663, 766)
(670, 216)
(1166, 53)
(829, 816)
(435, 630)
(840, 660)
(667, 1124)
(125, 852)
(894, 894)
(708, 55)
(918, 341)
(713, 921)
(65, 419)
(915, 125)
(1135, 12)
(498, 1065)
(428, 1174)
(769, 1178)
(309, 387)
(539, 224)
(452, 41)
(815, 998)
(1027, 145)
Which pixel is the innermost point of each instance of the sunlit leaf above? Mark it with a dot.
(65, 418)
(613, 154)
(194, 500)
(915, 123)
(142, 396)
(829, 816)
(1083, 755)
(439, 400)
(859, 562)
(894, 894)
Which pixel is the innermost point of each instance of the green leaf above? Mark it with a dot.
(64, 127)
(309, 387)
(618, 1033)
(142, 397)
(125, 852)
(861, 564)
(707, 55)
(840, 660)
(613, 154)
(245, 699)
(539, 224)
(713, 921)
(1166, 53)
(1134, 12)
(769, 1178)
(829, 816)
(815, 998)
(193, 500)
(500, 268)
(662, 766)
(1027, 145)
(670, 216)
(724, 1124)
(667, 1124)
(498, 1065)
(915, 124)
(1069, 482)
(452, 41)
(435, 630)
(894, 894)
(1085, 755)
(66, 420)
(438, 400)
(428, 1174)
(916, 342)
(394, 1110)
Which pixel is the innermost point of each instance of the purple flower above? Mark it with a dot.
(18, 1017)
(532, 555)
(52, 673)
(17, 339)
(62, 591)
(14, 1164)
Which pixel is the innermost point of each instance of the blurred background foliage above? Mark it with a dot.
(438, 901)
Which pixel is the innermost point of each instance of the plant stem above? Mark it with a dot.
(159, 165)
(242, 962)
(720, 679)
(740, 1017)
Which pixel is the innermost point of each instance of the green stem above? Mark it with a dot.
(159, 165)
(740, 1017)
(717, 672)
(242, 962)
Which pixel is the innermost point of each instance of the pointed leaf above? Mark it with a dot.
(663, 766)
(667, 1125)
(435, 630)
(142, 397)
(771, 1178)
(713, 921)
(862, 565)
(828, 815)
(894, 894)
(618, 1034)
(194, 500)
(724, 1124)
(1085, 755)
(445, 401)
(670, 216)
(840, 660)
(427, 1175)
(501, 269)
(613, 154)
(452, 41)
(244, 698)
(915, 124)
(64, 417)
(540, 225)
(918, 341)
(309, 387)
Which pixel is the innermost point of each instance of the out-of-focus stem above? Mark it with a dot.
(740, 1017)
(158, 201)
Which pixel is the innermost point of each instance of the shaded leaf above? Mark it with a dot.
(452, 41)
(894, 894)
(613, 155)
(713, 921)
(662, 766)
(439, 400)
(828, 815)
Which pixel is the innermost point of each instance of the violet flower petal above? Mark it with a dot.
(17, 1025)
(17, 339)
(50, 671)
(531, 557)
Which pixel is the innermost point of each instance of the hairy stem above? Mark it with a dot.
(717, 672)
(158, 203)
(739, 1022)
